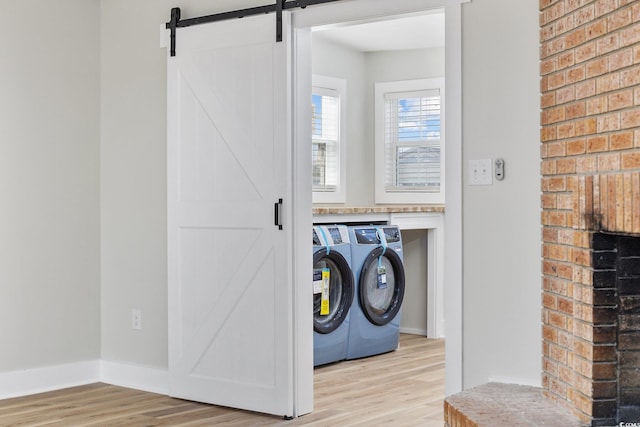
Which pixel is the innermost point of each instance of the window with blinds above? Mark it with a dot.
(412, 140)
(328, 130)
(325, 129)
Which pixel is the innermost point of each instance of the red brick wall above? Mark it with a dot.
(590, 134)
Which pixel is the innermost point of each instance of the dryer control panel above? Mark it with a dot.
(369, 236)
(330, 235)
(336, 236)
(392, 234)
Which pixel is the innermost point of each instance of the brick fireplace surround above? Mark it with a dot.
(590, 148)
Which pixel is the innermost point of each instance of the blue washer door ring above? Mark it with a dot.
(371, 262)
(325, 326)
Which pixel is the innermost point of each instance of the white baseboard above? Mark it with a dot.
(40, 380)
(413, 331)
(517, 381)
(139, 377)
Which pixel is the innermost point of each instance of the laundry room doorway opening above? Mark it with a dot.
(348, 62)
(319, 39)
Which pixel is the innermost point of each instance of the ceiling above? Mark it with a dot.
(396, 33)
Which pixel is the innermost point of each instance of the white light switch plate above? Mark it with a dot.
(480, 172)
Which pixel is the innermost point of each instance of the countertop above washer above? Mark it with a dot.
(382, 209)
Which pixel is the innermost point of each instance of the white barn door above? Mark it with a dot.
(230, 276)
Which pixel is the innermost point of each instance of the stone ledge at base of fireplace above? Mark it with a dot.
(505, 405)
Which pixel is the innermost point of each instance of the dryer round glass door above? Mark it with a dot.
(333, 290)
(381, 286)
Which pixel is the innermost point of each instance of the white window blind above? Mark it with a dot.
(412, 128)
(325, 128)
(409, 141)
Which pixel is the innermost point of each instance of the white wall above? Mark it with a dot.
(333, 60)
(133, 182)
(501, 231)
(55, 88)
(49, 204)
(133, 174)
(388, 66)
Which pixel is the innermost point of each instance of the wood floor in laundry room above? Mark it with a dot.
(402, 388)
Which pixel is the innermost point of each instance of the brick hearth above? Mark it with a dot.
(504, 405)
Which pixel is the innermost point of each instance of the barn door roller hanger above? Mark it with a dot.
(278, 7)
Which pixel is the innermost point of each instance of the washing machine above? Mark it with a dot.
(377, 262)
(333, 293)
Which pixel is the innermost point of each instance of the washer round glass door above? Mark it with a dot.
(381, 286)
(330, 308)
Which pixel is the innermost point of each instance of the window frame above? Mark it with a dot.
(339, 86)
(408, 196)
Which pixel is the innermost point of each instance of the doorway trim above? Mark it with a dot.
(362, 11)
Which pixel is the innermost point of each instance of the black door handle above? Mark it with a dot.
(276, 214)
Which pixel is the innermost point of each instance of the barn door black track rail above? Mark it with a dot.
(280, 5)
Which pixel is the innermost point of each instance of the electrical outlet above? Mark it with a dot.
(136, 319)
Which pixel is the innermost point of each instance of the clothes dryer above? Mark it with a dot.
(333, 292)
(377, 262)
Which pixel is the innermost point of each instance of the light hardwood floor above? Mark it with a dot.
(402, 388)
